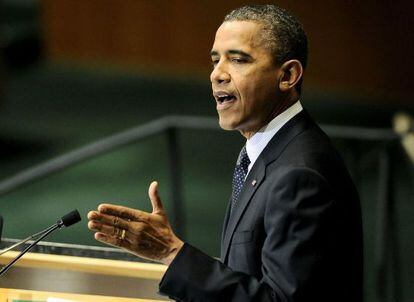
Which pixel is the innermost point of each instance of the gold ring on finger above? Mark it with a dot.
(122, 235)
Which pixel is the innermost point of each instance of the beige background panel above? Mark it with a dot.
(361, 47)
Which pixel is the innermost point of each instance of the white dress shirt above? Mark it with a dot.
(256, 144)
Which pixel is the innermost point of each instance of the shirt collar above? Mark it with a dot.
(256, 144)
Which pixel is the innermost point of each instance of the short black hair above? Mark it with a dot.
(282, 32)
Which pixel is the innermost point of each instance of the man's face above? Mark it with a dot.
(244, 79)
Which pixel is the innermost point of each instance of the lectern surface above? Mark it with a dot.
(18, 295)
(80, 275)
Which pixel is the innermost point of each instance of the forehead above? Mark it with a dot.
(244, 35)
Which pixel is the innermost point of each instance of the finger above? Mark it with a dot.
(94, 225)
(104, 228)
(157, 206)
(134, 229)
(122, 212)
(114, 241)
(93, 215)
(110, 220)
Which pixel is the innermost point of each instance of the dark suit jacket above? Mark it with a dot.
(295, 234)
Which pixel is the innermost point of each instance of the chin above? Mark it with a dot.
(225, 124)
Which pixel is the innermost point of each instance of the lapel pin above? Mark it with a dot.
(254, 182)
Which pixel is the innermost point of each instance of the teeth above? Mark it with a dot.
(224, 97)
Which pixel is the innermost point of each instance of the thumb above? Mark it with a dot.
(157, 206)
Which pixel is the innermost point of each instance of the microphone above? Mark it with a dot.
(66, 221)
(69, 219)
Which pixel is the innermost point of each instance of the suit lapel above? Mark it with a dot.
(257, 174)
(223, 232)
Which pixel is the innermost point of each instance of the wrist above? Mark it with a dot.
(173, 253)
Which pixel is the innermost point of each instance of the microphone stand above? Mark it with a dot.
(44, 234)
(67, 220)
(24, 240)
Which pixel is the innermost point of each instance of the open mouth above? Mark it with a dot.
(225, 98)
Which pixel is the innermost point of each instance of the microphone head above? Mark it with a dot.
(69, 219)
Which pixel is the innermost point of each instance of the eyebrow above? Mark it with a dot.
(232, 52)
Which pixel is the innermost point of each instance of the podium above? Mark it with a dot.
(16, 295)
(69, 278)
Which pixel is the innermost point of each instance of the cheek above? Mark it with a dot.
(267, 88)
(254, 93)
(256, 87)
(246, 87)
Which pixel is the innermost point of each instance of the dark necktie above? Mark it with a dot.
(240, 172)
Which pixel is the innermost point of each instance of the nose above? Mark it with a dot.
(219, 74)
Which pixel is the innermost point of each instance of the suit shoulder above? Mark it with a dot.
(311, 148)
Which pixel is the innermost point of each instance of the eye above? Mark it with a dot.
(239, 60)
(214, 62)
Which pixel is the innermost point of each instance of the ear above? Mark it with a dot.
(291, 73)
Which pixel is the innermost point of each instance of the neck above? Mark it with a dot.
(286, 101)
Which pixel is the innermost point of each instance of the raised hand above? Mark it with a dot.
(147, 235)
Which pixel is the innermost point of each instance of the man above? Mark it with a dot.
(292, 231)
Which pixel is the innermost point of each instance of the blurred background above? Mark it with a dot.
(73, 72)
